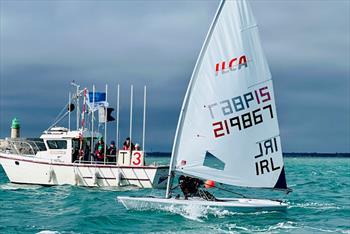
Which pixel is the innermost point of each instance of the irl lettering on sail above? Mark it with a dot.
(231, 65)
(265, 162)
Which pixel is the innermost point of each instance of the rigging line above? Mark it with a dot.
(65, 114)
(253, 85)
(249, 27)
(230, 191)
(60, 113)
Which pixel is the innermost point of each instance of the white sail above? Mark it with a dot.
(228, 129)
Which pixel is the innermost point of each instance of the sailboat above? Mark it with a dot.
(228, 129)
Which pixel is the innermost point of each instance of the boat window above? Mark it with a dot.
(57, 144)
(41, 145)
(37, 144)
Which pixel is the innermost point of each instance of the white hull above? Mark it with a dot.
(27, 170)
(232, 204)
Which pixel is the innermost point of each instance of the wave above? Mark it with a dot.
(11, 186)
(53, 232)
(315, 205)
(110, 188)
(48, 232)
(120, 189)
(281, 227)
(277, 228)
(203, 213)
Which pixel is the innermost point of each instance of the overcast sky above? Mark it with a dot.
(44, 45)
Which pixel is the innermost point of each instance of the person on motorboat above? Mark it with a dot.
(100, 154)
(112, 149)
(137, 146)
(100, 142)
(111, 152)
(128, 145)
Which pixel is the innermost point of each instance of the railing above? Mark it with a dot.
(123, 158)
(20, 146)
(98, 162)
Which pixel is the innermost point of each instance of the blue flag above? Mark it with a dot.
(99, 97)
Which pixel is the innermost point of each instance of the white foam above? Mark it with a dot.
(200, 213)
(10, 186)
(190, 212)
(47, 232)
(283, 225)
(315, 205)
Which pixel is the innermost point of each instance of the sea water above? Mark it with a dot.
(319, 203)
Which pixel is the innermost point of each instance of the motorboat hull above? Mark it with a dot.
(30, 170)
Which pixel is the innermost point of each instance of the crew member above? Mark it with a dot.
(111, 152)
(137, 146)
(100, 154)
(100, 142)
(128, 145)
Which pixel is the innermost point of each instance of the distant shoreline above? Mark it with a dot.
(287, 155)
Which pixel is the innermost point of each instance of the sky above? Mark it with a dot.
(44, 45)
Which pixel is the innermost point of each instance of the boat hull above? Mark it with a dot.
(28, 170)
(231, 204)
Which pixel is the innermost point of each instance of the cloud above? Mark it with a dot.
(44, 45)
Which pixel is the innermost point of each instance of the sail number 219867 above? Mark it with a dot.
(243, 121)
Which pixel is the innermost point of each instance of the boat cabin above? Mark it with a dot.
(61, 145)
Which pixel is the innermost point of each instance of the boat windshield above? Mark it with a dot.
(39, 143)
(26, 147)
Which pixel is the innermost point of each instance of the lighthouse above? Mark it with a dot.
(15, 128)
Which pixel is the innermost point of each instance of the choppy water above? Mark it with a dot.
(320, 203)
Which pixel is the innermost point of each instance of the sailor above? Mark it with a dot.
(191, 187)
(127, 143)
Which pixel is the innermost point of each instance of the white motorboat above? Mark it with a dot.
(228, 129)
(52, 160)
(63, 156)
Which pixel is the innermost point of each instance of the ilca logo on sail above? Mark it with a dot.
(233, 64)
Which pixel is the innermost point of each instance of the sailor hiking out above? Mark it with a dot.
(193, 187)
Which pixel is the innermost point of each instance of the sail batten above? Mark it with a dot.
(229, 110)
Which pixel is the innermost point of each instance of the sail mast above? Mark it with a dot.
(92, 123)
(105, 143)
(69, 109)
(117, 127)
(144, 117)
(78, 108)
(131, 106)
(184, 104)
